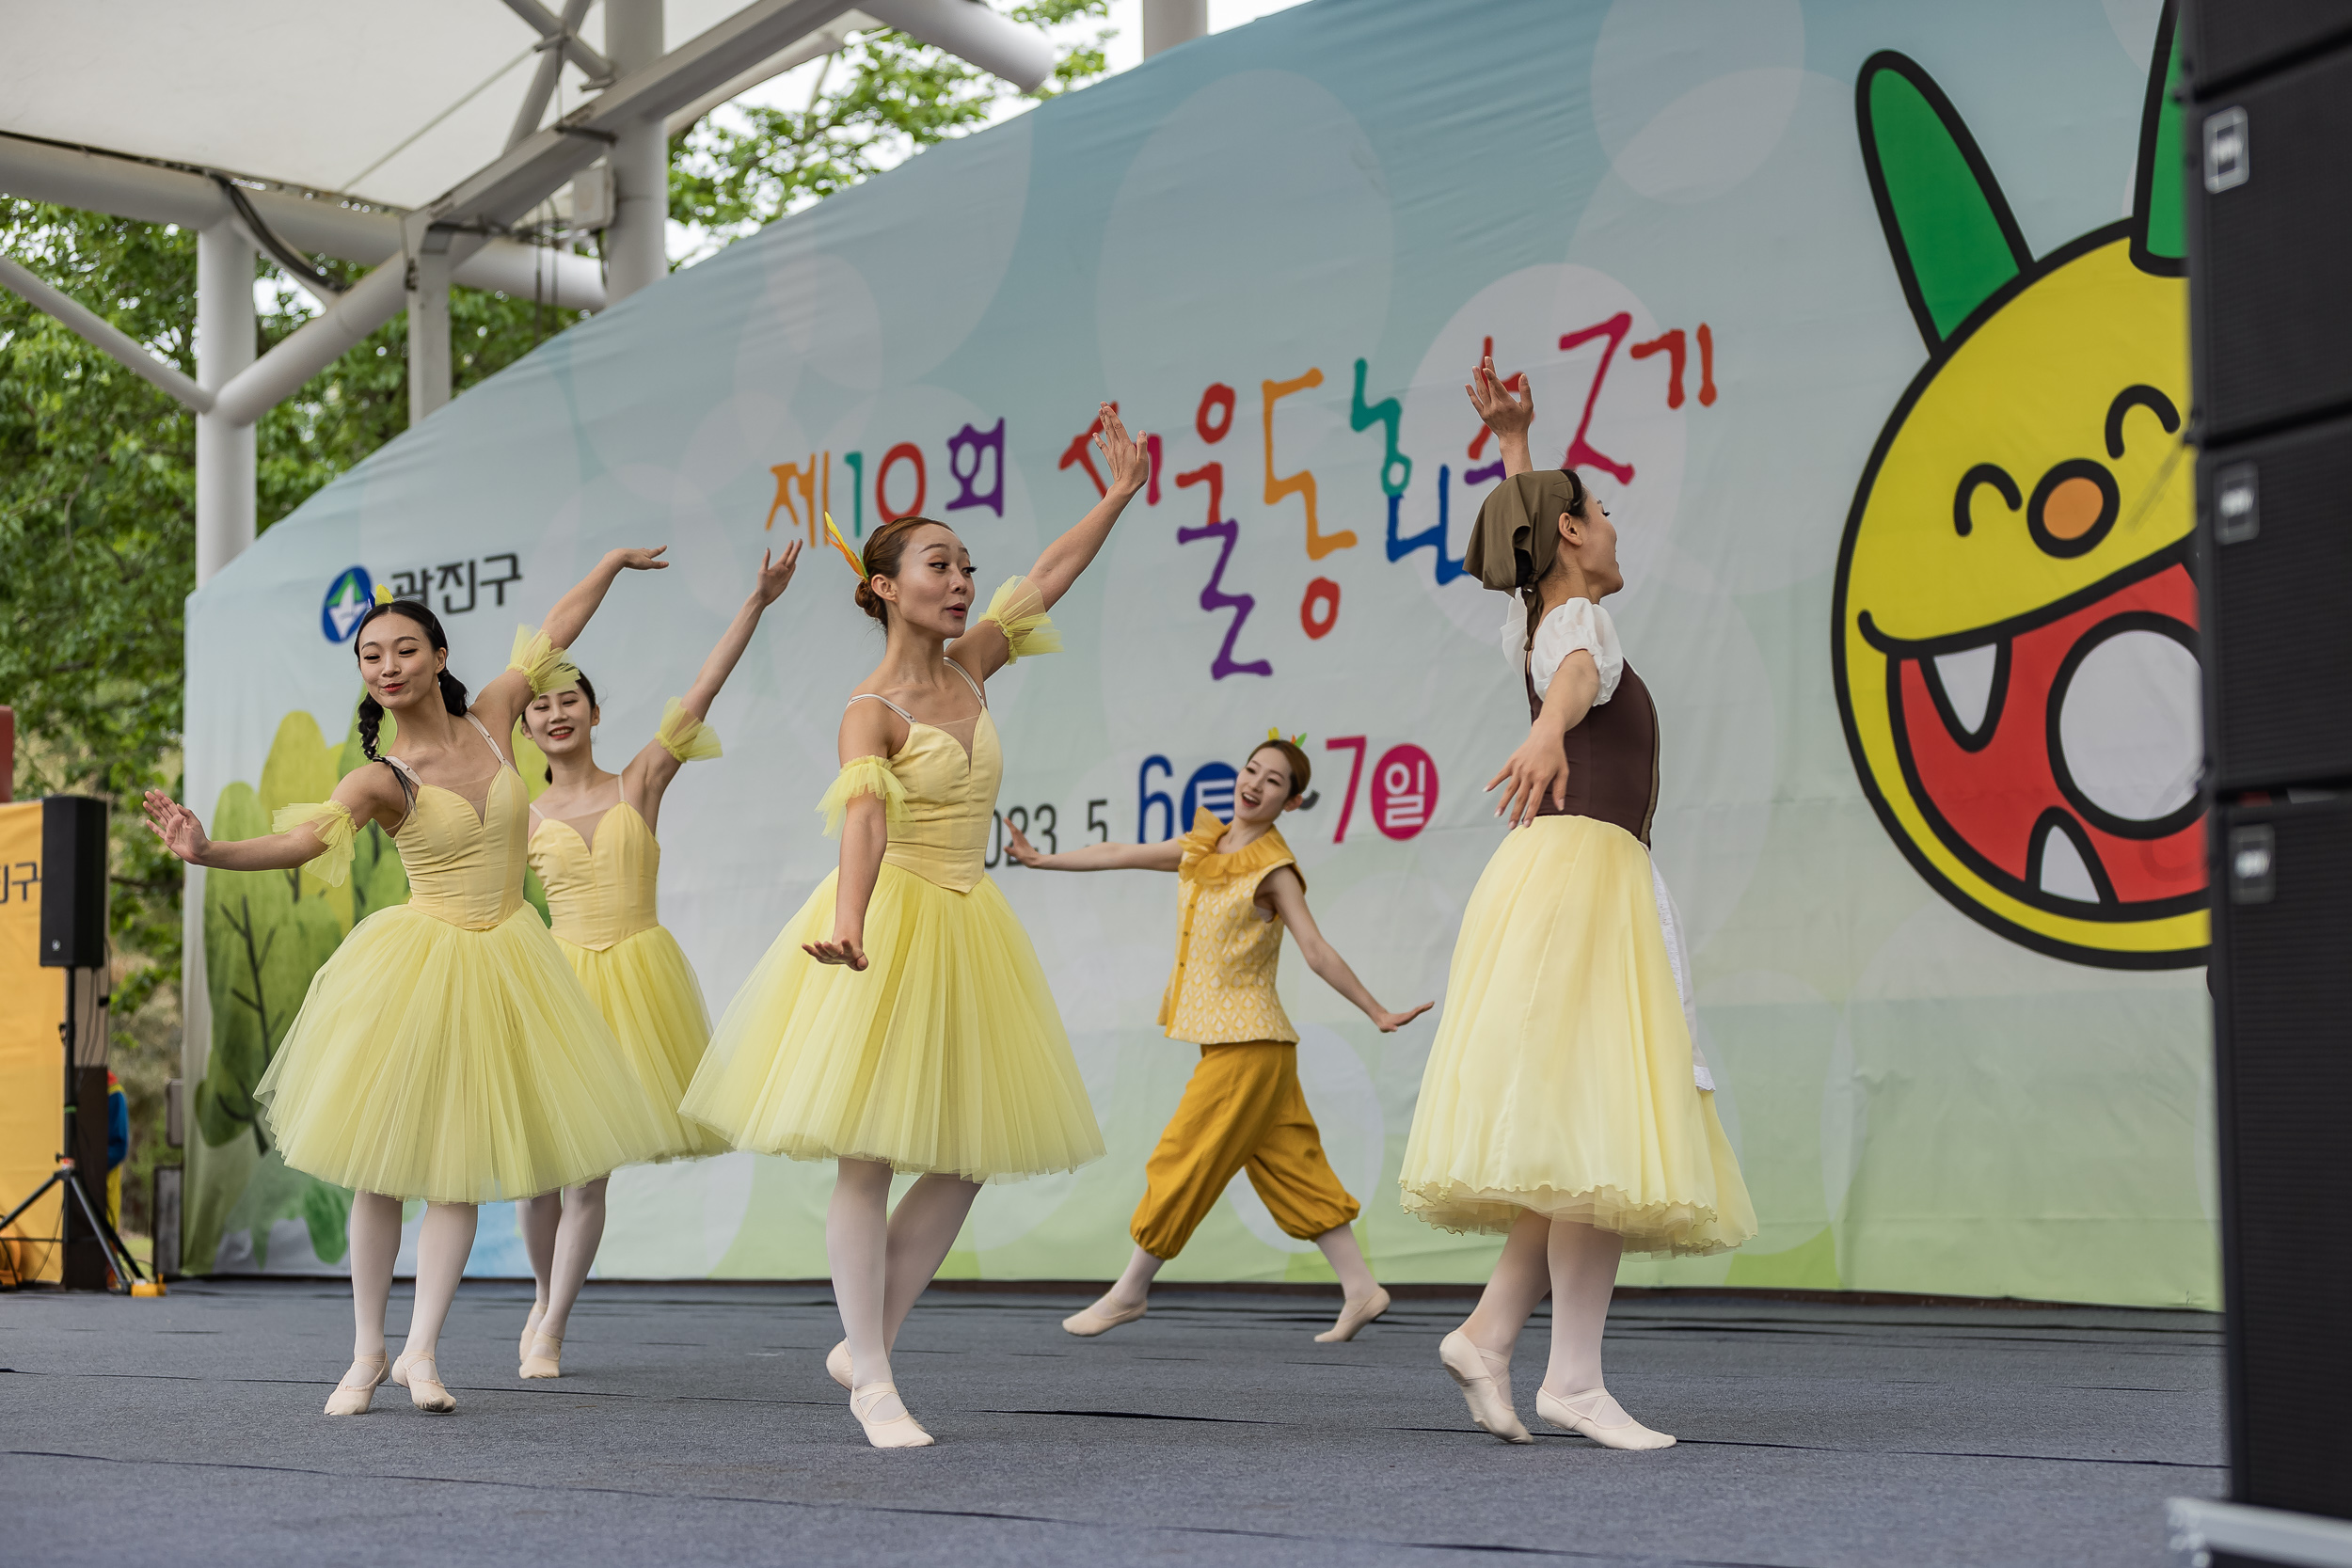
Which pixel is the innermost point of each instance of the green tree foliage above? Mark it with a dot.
(885, 97)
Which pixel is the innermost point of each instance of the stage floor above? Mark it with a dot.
(696, 1425)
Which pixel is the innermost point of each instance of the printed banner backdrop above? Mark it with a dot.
(32, 1058)
(1866, 319)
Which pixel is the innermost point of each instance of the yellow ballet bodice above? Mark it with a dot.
(1222, 992)
(600, 891)
(950, 804)
(463, 868)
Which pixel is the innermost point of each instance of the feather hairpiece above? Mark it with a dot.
(832, 537)
(1298, 740)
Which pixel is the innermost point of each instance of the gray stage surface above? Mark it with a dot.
(697, 1425)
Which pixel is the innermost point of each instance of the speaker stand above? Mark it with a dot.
(120, 1264)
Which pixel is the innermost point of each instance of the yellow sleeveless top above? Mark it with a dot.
(601, 890)
(1222, 992)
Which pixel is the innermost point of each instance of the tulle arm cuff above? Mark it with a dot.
(548, 667)
(1019, 612)
(862, 776)
(685, 737)
(331, 821)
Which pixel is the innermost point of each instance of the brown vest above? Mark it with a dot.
(1612, 758)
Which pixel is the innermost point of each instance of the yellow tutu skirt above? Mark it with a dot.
(647, 993)
(946, 1054)
(433, 1062)
(1560, 1080)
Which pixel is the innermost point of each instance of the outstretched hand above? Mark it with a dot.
(841, 950)
(775, 576)
(639, 561)
(177, 825)
(1490, 397)
(1538, 768)
(1128, 458)
(1388, 1023)
(1021, 850)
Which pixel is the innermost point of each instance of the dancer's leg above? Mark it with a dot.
(1294, 1178)
(1134, 1285)
(374, 1239)
(576, 1242)
(1477, 1356)
(444, 1240)
(1584, 1266)
(922, 1228)
(857, 1240)
(539, 1218)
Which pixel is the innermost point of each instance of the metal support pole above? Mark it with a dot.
(636, 247)
(428, 325)
(1169, 23)
(224, 346)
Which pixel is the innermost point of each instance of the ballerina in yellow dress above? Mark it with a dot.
(592, 842)
(1564, 1105)
(445, 1051)
(1241, 889)
(901, 1021)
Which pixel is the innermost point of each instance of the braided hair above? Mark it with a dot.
(453, 689)
(1531, 588)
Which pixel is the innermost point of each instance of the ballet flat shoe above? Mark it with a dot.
(1089, 1322)
(1490, 1401)
(1563, 1413)
(353, 1398)
(838, 1363)
(530, 1332)
(546, 1358)
(898, 1431)
(425, 1389)
(1353, 1318)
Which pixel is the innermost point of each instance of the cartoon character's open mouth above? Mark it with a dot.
(2057, 752)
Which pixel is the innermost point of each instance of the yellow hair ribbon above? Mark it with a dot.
(383, 594)
(832, 537)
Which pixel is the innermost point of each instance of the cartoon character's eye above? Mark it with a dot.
(2138, 396)
(1983, 473)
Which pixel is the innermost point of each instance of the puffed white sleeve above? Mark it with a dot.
(1579, 624)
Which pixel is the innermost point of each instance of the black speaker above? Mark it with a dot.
(72, 882)
(2270, 319)
(2282, 1037)
(2275, 516)
(2223, 44)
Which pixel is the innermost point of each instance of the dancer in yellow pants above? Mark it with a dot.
(1242, 1109)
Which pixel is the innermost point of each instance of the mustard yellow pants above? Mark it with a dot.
(1240, 1110)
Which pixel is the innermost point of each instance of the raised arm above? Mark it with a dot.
(1539, 766)
(1282, 888)
(1167, 855)
(366, 795)
(504, 700)
(1508, 416)
(648, 774)
(984, 650)
(868, 735)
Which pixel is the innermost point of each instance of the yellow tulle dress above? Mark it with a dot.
(601, 897)
(1561, 1078)
(445, 1052)
(947, 1053)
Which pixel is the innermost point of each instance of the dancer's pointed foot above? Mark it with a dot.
(837, 1364)
(546, 1358)
(357, 1391)
(880, 1411)
(1354, 1315)
(1485, 1382)
(423, 1379)
(1597, 1416)
(1103, 1316)
(531, 1330)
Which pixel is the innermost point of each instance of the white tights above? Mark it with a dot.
(444, 1240)
(1574, 1263)
(882, 1260)
(561, 1232)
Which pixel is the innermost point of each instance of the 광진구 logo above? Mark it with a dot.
(347, 599)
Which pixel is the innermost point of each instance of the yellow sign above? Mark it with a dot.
(32, 1065)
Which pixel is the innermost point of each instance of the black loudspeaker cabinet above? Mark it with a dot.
(72, 882)
(2282, 1037)
(2275, 521)
(2270, 319)
(2224, 41)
